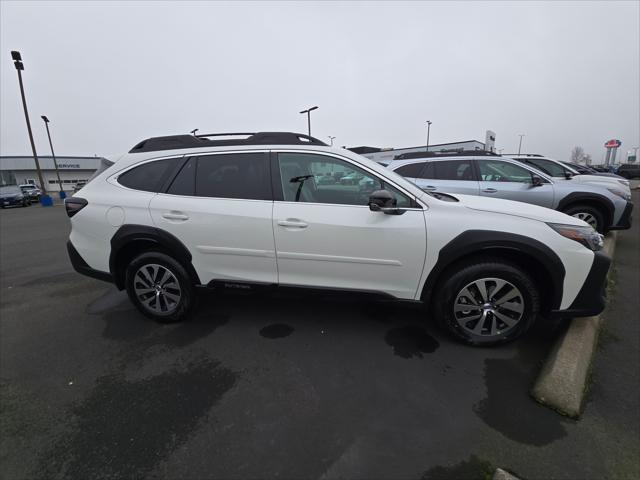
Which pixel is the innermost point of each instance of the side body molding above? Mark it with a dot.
(487, 241)
(126, 235)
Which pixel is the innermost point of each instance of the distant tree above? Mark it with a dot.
(577, 154)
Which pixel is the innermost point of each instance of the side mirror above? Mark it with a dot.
(536, 181)
(384, 201)
(568, 175)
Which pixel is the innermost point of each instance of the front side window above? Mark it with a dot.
(548, 167)
(497, 171)
(453, 170)
(147, 177)
(316, 178)
(233, 175)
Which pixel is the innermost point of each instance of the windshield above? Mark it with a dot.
(9, 189)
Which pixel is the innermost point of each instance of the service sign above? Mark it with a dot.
(613, 143)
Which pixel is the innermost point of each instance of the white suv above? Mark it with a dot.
(181, 212)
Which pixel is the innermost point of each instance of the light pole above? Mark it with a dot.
(331, 138)
(45, 200)
(193, 132)
(308, 112)
(55, 162)
(520, 144)
(429, 122)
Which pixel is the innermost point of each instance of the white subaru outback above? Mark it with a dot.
(269, 209)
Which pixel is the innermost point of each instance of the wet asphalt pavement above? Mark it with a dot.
(284, 386)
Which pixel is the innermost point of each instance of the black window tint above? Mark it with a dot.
(428, 171)
(148, 177)
(412, 170)
(234, 175)
(185, 181)
(548, 167)
(454, 170)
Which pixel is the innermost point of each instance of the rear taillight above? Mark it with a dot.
(74, 205)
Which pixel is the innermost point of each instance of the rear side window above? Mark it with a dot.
(235, 175)
(185, 181)
(548, 167)
(150, 176)
(454, 170)
(412, 170)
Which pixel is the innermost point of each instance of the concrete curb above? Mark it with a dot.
(562, 382)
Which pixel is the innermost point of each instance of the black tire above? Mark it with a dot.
(457, 278)
(578, 210)
(186, 292)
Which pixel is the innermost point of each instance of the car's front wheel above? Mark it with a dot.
(589, 214)
(160, 287)
(487, 302)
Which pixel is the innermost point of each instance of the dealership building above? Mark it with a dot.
(18, 170)
(387, 155)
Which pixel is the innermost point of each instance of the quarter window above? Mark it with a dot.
(412, 170)
(321, 179)
(497, 171)
(147, 177)
(234, 175)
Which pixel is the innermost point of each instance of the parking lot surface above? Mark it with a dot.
(259, 386)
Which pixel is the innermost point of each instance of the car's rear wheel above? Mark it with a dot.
(160, 287)
(592, 215)
(487, 302)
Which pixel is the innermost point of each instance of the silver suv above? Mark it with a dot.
(490, 175)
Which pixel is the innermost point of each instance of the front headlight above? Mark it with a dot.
(620, 194)
(587, 236)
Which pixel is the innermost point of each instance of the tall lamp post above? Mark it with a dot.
(193, 132)
(55, 162)
(331, 138)
(308, 112)
(45, 200)
(429, 122)
(520, 144)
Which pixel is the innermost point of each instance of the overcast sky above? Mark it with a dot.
(110, 74)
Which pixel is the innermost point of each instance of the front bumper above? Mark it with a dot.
(625, 220)
(591, 297)
(80, 266)
(9, 202)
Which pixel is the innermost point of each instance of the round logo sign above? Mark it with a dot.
(613, 143)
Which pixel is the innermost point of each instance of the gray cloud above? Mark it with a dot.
(110, 74)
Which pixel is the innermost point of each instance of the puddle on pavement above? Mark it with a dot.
(472, 469)
(276, 330)
(123, 429)
(508, 408)
(409, 342)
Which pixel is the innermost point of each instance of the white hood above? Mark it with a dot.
(602, 181)
(518, 209)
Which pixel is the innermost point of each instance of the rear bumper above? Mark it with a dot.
(80, 266)
(625, 220)
(592, 296)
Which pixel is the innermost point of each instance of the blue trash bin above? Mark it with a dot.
(46, 201)
(62, 194)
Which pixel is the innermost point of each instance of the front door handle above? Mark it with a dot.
(175, 216)
(290, 223)
(489, 190)
(429, 188)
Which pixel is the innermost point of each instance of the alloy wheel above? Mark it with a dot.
(587, 217)
(157, 289)
(489, 307)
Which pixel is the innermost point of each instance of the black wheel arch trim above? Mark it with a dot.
(127, 234)
(487, 241)
(577, 197)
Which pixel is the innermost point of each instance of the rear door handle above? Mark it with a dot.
(490, 190)
(175, 216)
(429, 187)
(292, 223)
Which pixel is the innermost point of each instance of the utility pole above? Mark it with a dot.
(331, 138)
(55, 162)
(520, 144)
(45, 200)
(308, 112)
(429, 122)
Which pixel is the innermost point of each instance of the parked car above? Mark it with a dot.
(12, 196)
(181, 212)
(560, 171)
(588, 170)
(31, 191)
(491, 175)
(78, 186)
(629, 170)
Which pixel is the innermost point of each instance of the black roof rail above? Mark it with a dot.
(173, 142)
(522, 155)
(455, 152)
